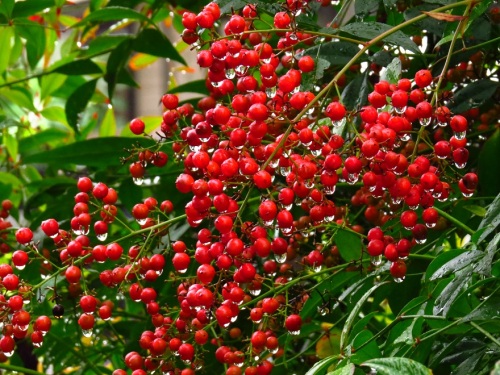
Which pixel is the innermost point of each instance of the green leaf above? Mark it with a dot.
(338, 53)
(6, 7)
(151, 122)
(197, 86)
(79, 67)
(492, 218)
(450, 293)
(55, 114)
(103, 44)
(368, 351)
(50, 83)
(112, 13)
(354, 314)
(344, 370)
(473, 95)
(355, 94)
(397, 365)
(26, 8)
(476, 210)
(6, 34)
(95, 152)
(488, 156)
(371, 30)
(153, 42)
(365, 7)
(116, 62)
(77, 102)
(393, 71)
(19, 96)
(322, 365)
(10, 142)
(108, 124)
(349, 245)
(10, 183)
(34, 35)
(450, 262)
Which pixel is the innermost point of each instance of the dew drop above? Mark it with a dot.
(142, 221)
(21, 267)
(399, 279)
(102, 237)
(460, 165)
(329, 189)
(467, 195)
(182, 271)
(37, 344)
(271, 92)
(322, 310)
(460, 135)
(442, 124)
(294, 333)
(426, 121)
(430, 225)
(317, 268)
(399, 110)
(376, 260)
(8, 354)
(420, 241)
(339, 123)
(138, 180)
(255, 292)
(273, 351)
(87, 332)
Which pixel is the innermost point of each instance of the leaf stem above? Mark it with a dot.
(21, 370)
(455, 221)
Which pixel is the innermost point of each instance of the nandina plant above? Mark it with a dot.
(318, 210)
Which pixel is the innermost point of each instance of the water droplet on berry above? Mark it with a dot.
(138, 180)
(430, 225)
(404, 137)
(467, 195)
(274, 163)
(420, 241)
(339, 123)
(323, 310)
(280, 258)
(317, 268)
(216, 84)
(142, 221)
(286, 231)
(316, 153)
(460, 135)
(37, 344)
(21, 267)
(399, 279)
(376, 260)
(8, 354)
(241, 70)
(271, 92)
(294, 333)
(425, 121)
(399, 110)
(352, 178)
(460, 165)
(182, 271)
(328, 190)
(442, 124)
(87, 332)
(102, 237)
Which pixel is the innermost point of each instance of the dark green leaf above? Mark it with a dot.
(29, 7)
(355, 94)
(349, 245)
(197, 86)
(6, 7)
(382, 58)
(102, 44)
(452, 291)
(34, 35)
(112, 13)
(371, 30)
(473, 95)
(13, 186)
(116, 62)
(96, 152)
(79, 67)
(153, 42)
(78, 101)
(397, 365)
(338, 53)
(450, 262)
(490, 182)
(365, 7)
(368, 351)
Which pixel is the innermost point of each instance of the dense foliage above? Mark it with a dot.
(327, 203)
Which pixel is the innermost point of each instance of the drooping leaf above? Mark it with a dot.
(116, 62)
(397, 365)
(79, 67)
(27, 8)
(452, 291)
(349, 245)
(450, 262)
(108, 124)
(153, 42)
(355, 93)
(141, 60)
(371, 30)
(490, 152)
(102, 44)
(473, 95)
(338, 53)
(78, 101)
(6, 34)
(476, 210)
(393, 71)
(112, 13)
(95, 152)
(34, 35)
(6, 7)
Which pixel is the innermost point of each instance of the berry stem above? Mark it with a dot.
(21, 370)
(455, 221)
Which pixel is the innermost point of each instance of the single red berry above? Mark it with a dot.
(423, 78)
(137, 126)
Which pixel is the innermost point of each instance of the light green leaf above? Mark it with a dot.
(10, 142)
(19, 96)
(6, 34)
(345, 370)
(397, 365)
(476, 210)
(10, 183)
(50, 83)
(108, 124)
(34, 35)
(392, 73)
(322, 365)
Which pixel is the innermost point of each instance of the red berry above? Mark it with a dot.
(24, 235)
(423, 78)
(137, 126)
